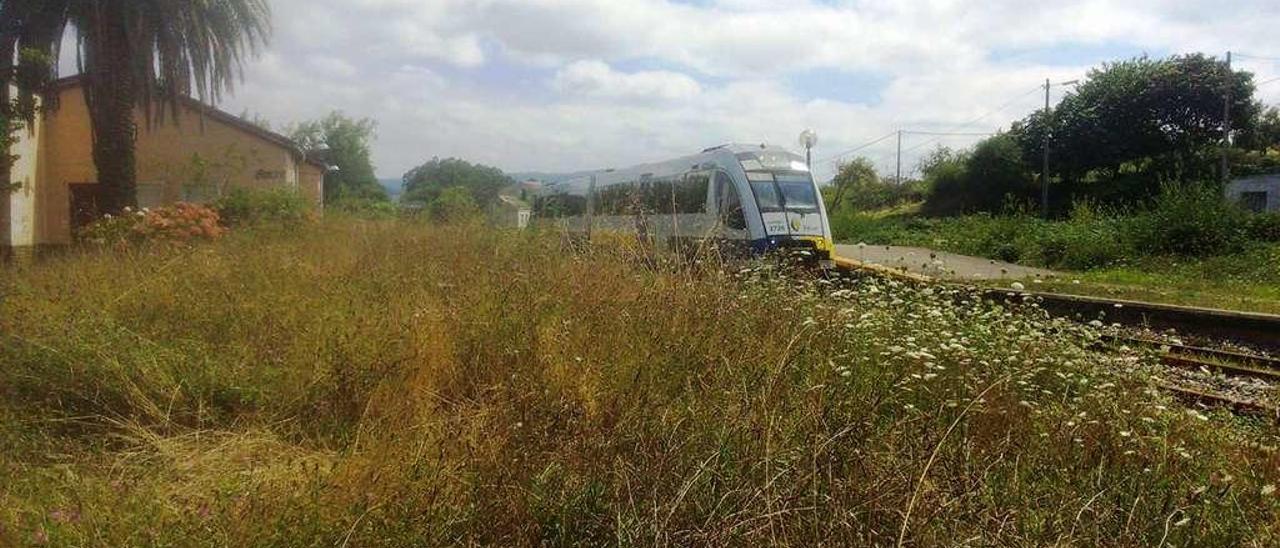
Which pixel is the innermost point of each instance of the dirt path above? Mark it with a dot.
(940, 264)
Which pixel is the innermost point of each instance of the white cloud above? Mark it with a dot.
(539, 84)
(597, 79)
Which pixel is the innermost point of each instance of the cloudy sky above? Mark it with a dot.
(560, 85)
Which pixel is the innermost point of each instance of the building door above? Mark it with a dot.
(1254, 201)
(85, 198)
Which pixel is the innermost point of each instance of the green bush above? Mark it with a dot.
(453, 204)
(365, 208)
(983, 180)
(1263, 227)
(252, 206)
(1190, 219)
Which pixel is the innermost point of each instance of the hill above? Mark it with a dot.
(393, 186)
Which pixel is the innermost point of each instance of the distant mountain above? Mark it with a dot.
(393, 187)
(544, 176)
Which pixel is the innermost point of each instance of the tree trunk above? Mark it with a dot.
(110, 94)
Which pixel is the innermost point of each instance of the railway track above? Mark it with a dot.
(1223, 362)
(1256, 330)
(1226, 362)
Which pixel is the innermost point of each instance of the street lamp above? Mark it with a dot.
(808, 139)
(1044, 171)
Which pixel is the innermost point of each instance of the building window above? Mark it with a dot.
(1254, 201)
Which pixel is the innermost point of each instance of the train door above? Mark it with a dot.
(731, 220)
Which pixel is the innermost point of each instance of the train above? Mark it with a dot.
(754, 198)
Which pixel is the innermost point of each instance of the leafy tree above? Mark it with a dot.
(857, 186)
(138, 53)
(938, 159)
(453, 204)
(1264, 132)
(427, 182)
(945, 173)
(342, 142)
(17, 112)
(984, 179)
(1162, 116)
(852, 179)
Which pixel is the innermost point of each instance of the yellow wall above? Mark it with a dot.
(198, 156)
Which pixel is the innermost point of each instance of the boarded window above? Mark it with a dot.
(85, 198)
(1254, 201)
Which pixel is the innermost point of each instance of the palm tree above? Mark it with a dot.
(144, 54)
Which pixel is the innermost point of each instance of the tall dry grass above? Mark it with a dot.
(393, 384)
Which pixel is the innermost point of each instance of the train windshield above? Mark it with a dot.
(767, 196)
(783, 191)
(797, 192)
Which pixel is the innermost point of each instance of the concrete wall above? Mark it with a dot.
(1270, 184)
(19, 206)
(193, 157)
(311, 183)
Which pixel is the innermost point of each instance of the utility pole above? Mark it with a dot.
(898, 178)
(1044, 169)
(1226, 122)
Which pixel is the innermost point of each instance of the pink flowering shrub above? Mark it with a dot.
(179, 223)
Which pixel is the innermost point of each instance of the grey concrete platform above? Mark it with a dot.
(940, 264)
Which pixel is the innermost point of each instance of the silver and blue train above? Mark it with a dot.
(754, 197)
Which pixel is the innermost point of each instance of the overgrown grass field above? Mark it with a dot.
(396, 384)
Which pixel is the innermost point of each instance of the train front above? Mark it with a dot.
(790, 205)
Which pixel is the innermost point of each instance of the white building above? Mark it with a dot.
(1257, 193)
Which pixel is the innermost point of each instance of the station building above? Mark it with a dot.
(195, 156)
(1259, 193)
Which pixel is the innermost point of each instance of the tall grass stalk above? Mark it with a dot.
(397, 384)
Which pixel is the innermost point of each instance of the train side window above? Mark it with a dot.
(729, 204)
(692, 195)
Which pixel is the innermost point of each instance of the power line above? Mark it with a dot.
(926, 143)
(949, 133)
(1267, 81)
(1257, 57)
(980, 118)
(988, 114)
(998, 109)
(835, 157)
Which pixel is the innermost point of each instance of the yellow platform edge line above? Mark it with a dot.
(880, 270)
